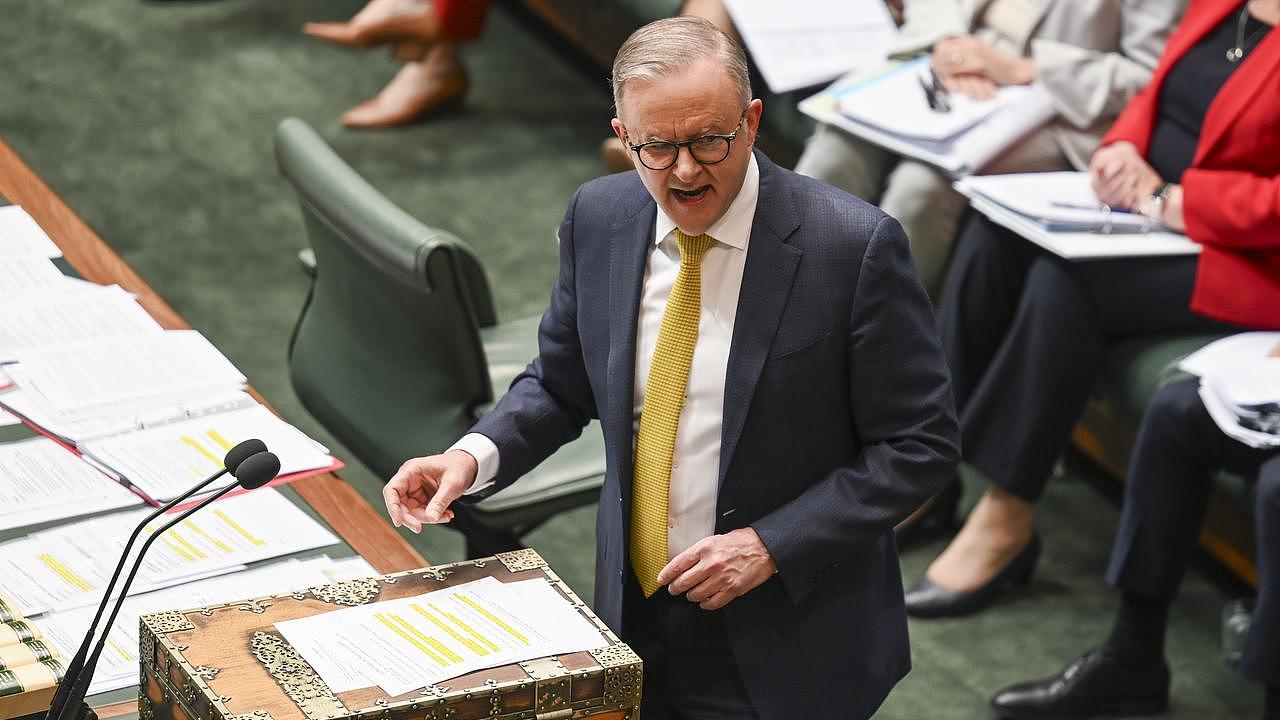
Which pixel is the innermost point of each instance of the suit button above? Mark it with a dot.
(619, 500)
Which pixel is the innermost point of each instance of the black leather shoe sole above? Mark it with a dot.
(927, 599)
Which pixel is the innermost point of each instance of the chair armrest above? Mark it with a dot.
(307, 259)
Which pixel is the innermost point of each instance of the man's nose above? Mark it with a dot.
(686, 167)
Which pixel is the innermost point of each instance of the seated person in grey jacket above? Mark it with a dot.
(1091, 55)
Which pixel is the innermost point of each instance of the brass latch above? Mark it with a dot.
(555, 715)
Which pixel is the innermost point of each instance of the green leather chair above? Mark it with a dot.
(398, 349)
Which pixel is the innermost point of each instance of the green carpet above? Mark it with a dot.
(154, 121)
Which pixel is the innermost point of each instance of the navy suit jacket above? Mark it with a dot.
(838, 421)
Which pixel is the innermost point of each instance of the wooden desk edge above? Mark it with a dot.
(356, 522)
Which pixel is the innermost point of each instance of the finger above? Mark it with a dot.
(718, 600)
(679, 564)
(690, 578)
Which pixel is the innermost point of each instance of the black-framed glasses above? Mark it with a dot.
(706, 149)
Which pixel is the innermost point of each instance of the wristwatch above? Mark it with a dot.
(1158, 198)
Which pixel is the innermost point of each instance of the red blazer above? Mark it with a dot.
(1231, 192)
(461, 19)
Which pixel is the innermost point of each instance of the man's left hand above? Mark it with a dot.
(718, 569)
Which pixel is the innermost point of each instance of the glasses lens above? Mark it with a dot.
(709, 150)
(658, 155)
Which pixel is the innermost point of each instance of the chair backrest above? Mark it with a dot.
(387, 352)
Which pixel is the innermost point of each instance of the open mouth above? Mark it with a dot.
(690, 197)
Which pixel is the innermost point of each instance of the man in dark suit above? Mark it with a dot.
(773, 397)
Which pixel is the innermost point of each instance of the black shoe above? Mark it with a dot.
(938, 519)
(927, 599)
(1094, 685)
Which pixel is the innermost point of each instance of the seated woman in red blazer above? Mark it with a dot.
(427, 35)
(1026, 332)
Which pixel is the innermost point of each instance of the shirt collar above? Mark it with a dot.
(734, 227)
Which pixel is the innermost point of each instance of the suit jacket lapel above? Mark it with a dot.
(632, 241)
(766, 284)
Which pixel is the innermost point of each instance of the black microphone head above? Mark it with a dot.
(258, 470)
(239, 453)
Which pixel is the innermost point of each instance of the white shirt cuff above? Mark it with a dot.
(485, 452)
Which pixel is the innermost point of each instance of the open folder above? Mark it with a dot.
(888, 106)
(1059, 212)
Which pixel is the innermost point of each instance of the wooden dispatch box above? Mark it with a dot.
(228, 662)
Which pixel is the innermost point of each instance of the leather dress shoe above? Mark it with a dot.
(938, 518)
(1094, 685)
(927, 599)
(379, 112)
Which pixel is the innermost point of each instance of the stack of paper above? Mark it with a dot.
(40, 481)
(404, 644)
(1240, 386)
(88, 366)
(118, 665)
(1060, 212)
(805, 42)
(67, 566)
(887, 106)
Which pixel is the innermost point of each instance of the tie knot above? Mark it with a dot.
(693, 247)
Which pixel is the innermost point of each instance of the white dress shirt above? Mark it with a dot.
(696, 464)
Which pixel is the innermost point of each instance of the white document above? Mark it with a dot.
(120, 417)
(67, 566)
(1224, 353)
(163, 461)
(1086, 245)
(87, 377)
(1227, 421)
(25, 273)
(21, 235)
(118, 666)
(41, 481)
(906, 130)
(46, 318)
(1059, 201)
(403, 644)
(805, 42)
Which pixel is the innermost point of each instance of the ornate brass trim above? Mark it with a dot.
(622, 675)
(145, 710)
(167, 622)
(435, 573)
(523, 559)
(255, 715)
(296, 677)
(348, 592)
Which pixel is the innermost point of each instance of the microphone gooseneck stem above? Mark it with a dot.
(80, 687)
(57, 708)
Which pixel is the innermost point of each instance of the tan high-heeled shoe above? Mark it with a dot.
(379, 112)
(420, 30)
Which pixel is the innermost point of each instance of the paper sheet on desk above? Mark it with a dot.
(801, 43)
(1229, 350)
(163, 461)
(41, 481)
(21, 235)
(25, 273)
(43, 318)
(85, 377)
(66, 566)
(1057, 200)
(400, 645)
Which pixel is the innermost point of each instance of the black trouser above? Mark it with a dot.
(1178, 450)
(689, 670)
(1025, 333)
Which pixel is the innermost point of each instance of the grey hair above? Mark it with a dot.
(669, 46)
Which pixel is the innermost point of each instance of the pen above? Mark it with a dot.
(934, 93)
(1100, 206)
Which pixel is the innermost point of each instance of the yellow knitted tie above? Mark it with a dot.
(663, 399)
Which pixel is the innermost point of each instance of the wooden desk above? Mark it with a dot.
(359, 525)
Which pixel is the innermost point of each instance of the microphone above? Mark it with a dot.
(232, 463)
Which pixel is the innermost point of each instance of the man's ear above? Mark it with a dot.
(619, 130)
(754, 110)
